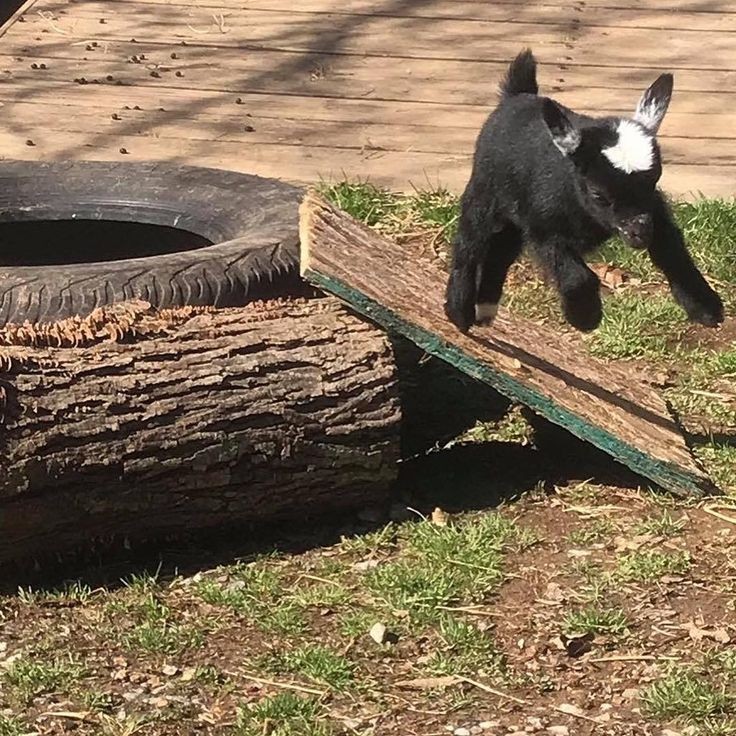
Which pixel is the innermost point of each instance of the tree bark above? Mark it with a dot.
(191, 418)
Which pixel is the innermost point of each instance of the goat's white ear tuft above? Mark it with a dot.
(564, 134)
(654, 103)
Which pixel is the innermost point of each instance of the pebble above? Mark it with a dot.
(461, 732)
(558, 730)
(170, 670)
(378, 633)
(488, 725)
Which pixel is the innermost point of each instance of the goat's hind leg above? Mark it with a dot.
(503, 249)
(473, 247)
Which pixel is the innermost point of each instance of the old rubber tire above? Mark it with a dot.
(251, 221)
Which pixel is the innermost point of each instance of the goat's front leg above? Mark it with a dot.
(578, 286)
(669, 253)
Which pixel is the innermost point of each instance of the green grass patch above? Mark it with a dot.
(720, 462)
(650, 565)
(373, 544)
(72, 592)
(596, 619)
(322, 595)
(592, 532)
(157, 632)
(257, 592)
(512, 427)
(27, 678)
(683, 693)
(465, 650)
(313, 662)
(663, 525)
(284, 714)
(440, 565)
(638, 325)
(708, 226)
(364, 201)
(11, 726)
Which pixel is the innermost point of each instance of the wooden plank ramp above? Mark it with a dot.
(600, 403)
(391, 90)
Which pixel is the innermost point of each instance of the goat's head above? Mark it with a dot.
(617, 160)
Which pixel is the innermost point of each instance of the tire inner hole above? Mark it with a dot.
(57, 242)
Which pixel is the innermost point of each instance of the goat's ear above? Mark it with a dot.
(654, 103)
(564, 134)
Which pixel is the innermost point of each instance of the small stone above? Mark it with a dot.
(558, 730)
(248, 128)
(170, 670)
(533, 724)
(488, 725)
(29, 142)
(123, 150)
(179, 73)
(461, 732)
(475, 730)
(378, 633)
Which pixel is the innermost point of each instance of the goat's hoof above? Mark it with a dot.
(485, 313)
(585, 321)
(459, 318)
(710, 314)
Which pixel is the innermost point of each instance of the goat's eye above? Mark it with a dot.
(600, 199)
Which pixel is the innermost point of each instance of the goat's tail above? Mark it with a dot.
(521, 78)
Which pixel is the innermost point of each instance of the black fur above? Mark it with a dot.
(540, 177)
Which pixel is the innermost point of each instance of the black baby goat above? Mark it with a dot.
(564, 183)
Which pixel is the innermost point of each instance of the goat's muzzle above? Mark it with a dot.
(637, 231)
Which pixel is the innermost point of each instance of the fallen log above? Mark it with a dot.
(144, 423)
(551, 373)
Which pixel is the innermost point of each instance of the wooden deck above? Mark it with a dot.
(394, 90)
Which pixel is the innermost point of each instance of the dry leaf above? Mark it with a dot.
(610, 276)
(696, 633)
(553, 594)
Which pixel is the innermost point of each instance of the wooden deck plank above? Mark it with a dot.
(250, 128)
(693, 113)
(329, 77)
(418, 77)
(567, 15)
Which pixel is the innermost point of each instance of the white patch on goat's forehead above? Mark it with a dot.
(634, 149)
